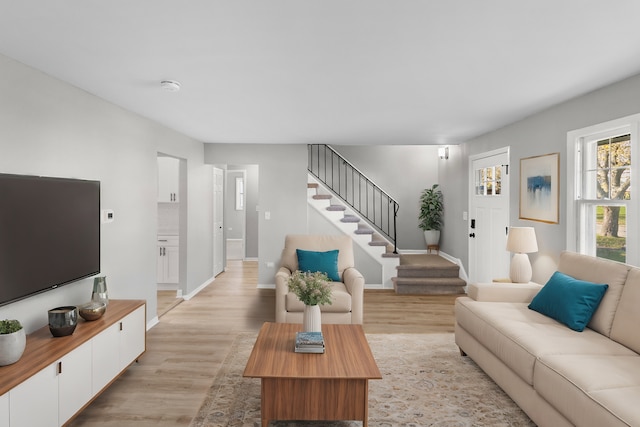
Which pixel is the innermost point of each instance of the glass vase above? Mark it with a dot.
(100, 293)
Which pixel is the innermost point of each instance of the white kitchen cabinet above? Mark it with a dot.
(168, 179)
(168, 267)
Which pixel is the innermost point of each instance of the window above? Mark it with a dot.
(602, 209)
(488, 181)
(239, 193)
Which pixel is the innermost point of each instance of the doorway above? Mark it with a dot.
(489, 215)
(171, 248)
(241, 212)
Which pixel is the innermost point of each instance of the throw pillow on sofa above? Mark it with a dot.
(324, 262)
(568, 300)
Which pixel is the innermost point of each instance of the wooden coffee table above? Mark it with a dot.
(302, 386)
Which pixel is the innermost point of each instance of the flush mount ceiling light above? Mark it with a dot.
(170, 85)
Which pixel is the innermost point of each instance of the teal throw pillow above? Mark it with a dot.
(325, 262)
(568, 300)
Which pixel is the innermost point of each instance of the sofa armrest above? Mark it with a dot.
(503, 292)
(354, 282)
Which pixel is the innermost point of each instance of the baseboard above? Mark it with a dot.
(153, 322)
(192, 294)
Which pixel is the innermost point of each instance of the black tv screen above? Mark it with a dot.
(49, 233)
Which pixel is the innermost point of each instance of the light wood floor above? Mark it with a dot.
(185, 350)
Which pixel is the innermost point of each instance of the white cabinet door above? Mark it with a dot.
(161, 264)
(168, 179)
(4, 409)
(168, 265)
(74, 382)
(132, 337)
(34, 402)
(172, 264)
(105, 357)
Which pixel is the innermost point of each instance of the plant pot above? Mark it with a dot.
(432, 237)
(311, 319)
(11, 347)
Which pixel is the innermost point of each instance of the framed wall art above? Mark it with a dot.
(540, 188)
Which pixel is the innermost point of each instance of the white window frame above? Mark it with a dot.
(577, 207)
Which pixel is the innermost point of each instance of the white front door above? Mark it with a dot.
(218, 221)
(489, 216)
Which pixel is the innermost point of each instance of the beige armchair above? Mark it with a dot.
(347, 295)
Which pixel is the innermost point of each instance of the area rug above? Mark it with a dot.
(425, 383)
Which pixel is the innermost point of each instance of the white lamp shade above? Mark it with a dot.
(522, 240)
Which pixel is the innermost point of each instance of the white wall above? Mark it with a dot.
(542, 133)
(282, 192)
(402, 171)
(48, 127)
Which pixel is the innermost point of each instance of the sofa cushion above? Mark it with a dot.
(591, 390)
(625, 323)
(324, 262)
(568, 300)
(597, 270)
(518, 336)
(340, 300)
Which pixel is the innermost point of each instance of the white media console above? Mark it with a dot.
(57, 377)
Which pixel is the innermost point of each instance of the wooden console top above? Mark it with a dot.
(43, 349)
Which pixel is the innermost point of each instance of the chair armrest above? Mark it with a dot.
(282, 289)
(503, 292)
(354, 282)
(282, 281)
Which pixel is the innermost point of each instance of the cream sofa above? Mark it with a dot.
(347, 295)
(558, 376)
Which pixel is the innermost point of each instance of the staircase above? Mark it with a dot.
(349, 222)
(357, 206)
(427, 274)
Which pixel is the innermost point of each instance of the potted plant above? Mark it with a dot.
(312, 289)
(12, 341)
(431, 208)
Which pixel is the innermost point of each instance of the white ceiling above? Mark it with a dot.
(329, 71)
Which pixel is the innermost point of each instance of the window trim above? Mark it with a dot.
(575, 168)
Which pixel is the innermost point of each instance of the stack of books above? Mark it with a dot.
(309, 342)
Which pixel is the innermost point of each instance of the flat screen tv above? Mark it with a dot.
(49, 233)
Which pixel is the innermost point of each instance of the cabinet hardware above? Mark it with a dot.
(59, 368)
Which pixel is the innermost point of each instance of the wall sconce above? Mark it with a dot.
(443, 153)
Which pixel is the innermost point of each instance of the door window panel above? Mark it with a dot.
(488, 181)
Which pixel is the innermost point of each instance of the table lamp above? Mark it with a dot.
(521, 241)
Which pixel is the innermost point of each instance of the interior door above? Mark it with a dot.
(218, 221)
(489, 216)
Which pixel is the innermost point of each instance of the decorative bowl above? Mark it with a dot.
(92, 310)
(63, 320)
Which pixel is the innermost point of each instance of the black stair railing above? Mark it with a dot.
(354, 188)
